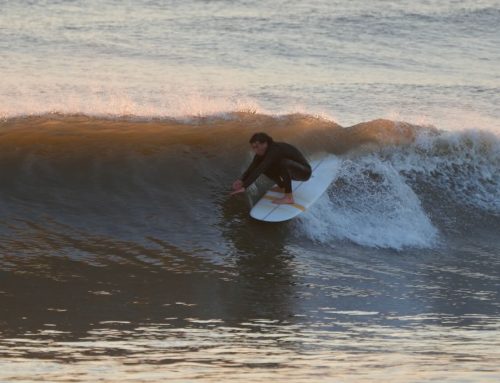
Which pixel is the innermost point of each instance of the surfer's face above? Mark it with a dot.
(259, 148)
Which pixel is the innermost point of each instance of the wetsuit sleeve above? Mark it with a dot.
(250, 168)
(260, 168)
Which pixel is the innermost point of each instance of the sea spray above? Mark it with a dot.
(370, 204)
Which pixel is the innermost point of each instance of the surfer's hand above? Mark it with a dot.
(240, 190)
(238, 184)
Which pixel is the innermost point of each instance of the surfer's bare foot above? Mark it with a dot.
(287, 199)
(278, 189)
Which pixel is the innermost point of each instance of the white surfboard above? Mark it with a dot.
(305, 193)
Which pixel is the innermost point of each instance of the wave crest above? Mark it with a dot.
(156, 174)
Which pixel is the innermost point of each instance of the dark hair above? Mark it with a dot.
(261, 137)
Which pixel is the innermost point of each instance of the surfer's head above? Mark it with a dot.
(260, 142)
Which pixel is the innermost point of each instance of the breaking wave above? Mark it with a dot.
(170, 177)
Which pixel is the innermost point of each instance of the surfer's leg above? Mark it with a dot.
(298, 171)
(279, 181)
(291, 170)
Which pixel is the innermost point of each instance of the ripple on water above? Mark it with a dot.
(261, 350)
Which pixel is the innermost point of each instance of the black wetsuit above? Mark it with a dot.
(282, 163)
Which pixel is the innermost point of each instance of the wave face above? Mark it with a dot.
(400, 185)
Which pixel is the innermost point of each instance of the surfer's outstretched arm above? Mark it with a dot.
(255, 162)
(238, 184)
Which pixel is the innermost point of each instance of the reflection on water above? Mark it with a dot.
(274, 310)
(259, 350)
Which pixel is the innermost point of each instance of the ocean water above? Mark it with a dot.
(122, 127)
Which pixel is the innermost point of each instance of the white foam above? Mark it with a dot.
(464, 164)
(376, 205)
(372, 207)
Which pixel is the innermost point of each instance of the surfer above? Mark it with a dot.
(279, 161)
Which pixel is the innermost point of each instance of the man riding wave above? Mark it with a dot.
(279, 161)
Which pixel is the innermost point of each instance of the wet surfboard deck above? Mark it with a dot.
(305, 193)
